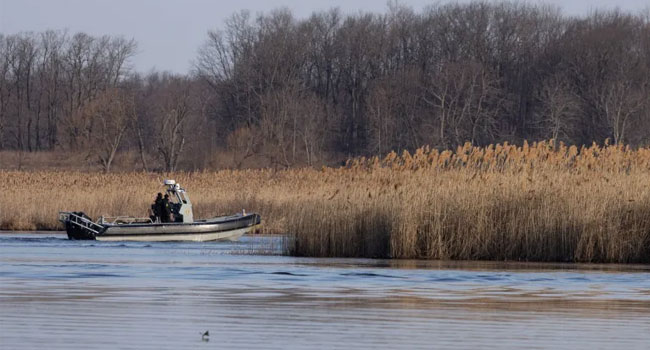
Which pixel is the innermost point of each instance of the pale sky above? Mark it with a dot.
(169, 32)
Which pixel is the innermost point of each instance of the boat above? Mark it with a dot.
(79, 226)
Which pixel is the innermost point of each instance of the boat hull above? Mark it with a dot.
(231, 235)
(227, 228)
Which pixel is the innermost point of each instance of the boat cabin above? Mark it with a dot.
(181, 205)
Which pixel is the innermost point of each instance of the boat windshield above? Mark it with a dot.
(177, 197)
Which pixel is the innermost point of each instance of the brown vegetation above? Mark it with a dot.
(539, 203)
(543, 202)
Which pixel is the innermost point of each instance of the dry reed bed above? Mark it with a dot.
(33, 199)
(542, 202)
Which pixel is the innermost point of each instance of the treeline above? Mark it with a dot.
(275, 90)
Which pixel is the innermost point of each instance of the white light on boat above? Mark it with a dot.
(169, 182)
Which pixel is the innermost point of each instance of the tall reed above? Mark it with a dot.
(540, 202)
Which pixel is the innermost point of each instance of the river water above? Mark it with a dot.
(60, 294)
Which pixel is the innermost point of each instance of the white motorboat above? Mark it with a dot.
(184, 228)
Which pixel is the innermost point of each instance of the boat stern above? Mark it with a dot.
(79, 226)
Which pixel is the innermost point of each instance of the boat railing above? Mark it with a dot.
(79, 220)
(121, 220)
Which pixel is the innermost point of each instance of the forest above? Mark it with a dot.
(274, 90)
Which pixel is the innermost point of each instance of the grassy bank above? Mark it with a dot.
(539, 203)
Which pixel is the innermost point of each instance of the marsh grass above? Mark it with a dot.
(539, 202)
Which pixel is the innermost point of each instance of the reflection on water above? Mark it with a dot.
(61, 294)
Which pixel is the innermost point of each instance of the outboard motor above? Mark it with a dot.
(78, 226)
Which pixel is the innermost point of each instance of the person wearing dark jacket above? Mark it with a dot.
(156, 208)
(166, 210)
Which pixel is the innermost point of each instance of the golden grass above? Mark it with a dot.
(540, 202)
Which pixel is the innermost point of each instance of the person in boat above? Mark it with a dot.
(166, 210)
(156, 207)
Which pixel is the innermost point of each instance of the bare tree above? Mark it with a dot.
(107, 118)
(558, 108)
(466, 99)
(620, 102)
(242, 144)
(170, 119)
(382, 123)
(91, 65)
(22, 67)
(394, 114)
(5, 93)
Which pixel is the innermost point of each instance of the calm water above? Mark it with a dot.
(60, 294)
